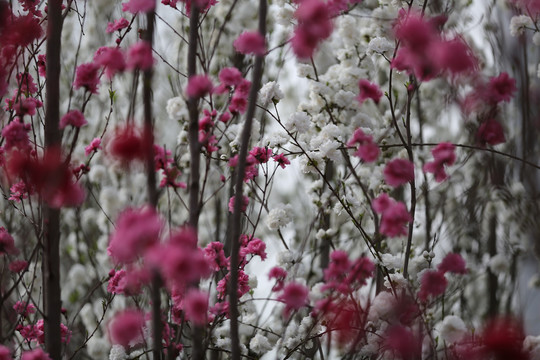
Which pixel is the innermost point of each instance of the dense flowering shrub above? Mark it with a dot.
(293, 180)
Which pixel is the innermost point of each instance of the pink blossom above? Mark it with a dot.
(7, 244)
(501, 88)
(21, 31)
(243, 204)
(24, 308)
(295, 296)
(225, 117)
(136, 231)
(130, 282)
(254, 246)
(433, 283)
(196, 306)
(18, 266)
(250, 42)
(18, 191)
(491, 132)
(31, 7)
(179, 260)
(128, 144)
(243, 285)
(65, 333)
(314, 25)
(117, 282)
(127, 327)
(415, 31)
(398, 172)
(454, 56)
(117, 25)
(369, 90)
(171, 3)
(230, 76)
(36, 354)
(345, 276)
(502, 338)
(279, 274)
(402, 342)
(199, 86)
(215, 255)
(26, 106)
(453, 263)
(368, 151)
(16, 135)
(136, 6)
(50, 175)
(41, 64)
(5, 353)
(394, 216)
(242, 89)
(26, 83)
(87, 76)
(261, 155)
(74, 118)
(238, 104)
(112, 59)
(443, 154)
(140, 56)
(281, 160)
(94, 146)
(162, 157)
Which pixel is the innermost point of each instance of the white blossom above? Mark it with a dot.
(177, 109)
(270, 92)
(531, 344)
(259, 344)
(379, 45)
(279, 216)
(518, 24)
(536, 38)
(98, 347)
(117, 353)
(452, 328)
(299, 121)
(498, 264)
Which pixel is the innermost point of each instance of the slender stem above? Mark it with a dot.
(240, 170)
(410, 94)
(193, 131)
(198, 352)
(53, 138)
(157, 325)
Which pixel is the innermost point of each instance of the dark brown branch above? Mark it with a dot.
(53, 138)
(239, 182)
(157, 325)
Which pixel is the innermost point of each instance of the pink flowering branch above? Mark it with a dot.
(241, 167)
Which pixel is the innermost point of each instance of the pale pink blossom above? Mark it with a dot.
(117, 25)
(87, 76)
(195, 306)
(369, 90)
(295, 296)
(199, 86)
(136, 6)
(250, 42)
(398, 172)
(127, 327)
(139, 56)
(136, 231)
(74, 118)
(230, 76)
(94, 146)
